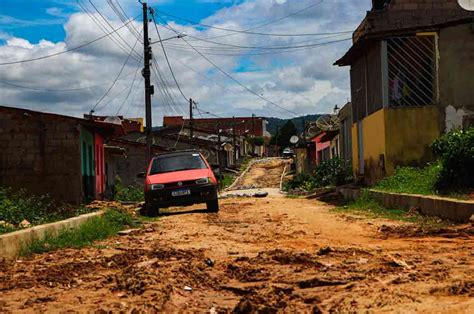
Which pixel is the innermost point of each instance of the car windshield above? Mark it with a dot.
(162, 164)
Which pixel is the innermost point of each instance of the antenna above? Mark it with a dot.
(467, 4)
(329, 122)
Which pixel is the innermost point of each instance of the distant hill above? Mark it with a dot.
(273, 123)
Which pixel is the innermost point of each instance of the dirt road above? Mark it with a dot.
(263, 174)
(271, 254)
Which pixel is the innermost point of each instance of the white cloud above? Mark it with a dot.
(304, 81)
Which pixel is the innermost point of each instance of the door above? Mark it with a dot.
(360, 142)
(87, 162)
(99, 166)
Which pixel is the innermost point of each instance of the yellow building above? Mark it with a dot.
(411, 80)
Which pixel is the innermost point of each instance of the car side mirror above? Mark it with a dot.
(141, 175)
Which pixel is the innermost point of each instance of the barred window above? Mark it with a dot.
(412, 77)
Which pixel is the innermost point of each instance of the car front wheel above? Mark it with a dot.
(149, 210)
(213, 206)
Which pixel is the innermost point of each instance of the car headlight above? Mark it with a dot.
(202, 181)
(157, 187)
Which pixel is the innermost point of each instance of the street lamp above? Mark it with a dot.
(181, 35)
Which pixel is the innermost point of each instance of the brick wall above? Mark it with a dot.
(411, 13)
(41, 153)
(134, 161)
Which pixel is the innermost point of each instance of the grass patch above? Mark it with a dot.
(97, 228)
(227, 180)
(368, 207)
(16, 206)
(412, 180)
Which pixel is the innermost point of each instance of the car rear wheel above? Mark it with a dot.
(149, 210)
(213, 206)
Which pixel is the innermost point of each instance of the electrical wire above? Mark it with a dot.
(101, 26)
(249, 31)
(131, 88)
(118, 76)
(166, 55)
(39, 89)
(68, 50)
(110, 25)
(234, 79)
(50, 90)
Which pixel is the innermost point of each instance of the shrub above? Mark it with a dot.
(15, 206)
(412, 180)
(455, 151)
(303, 181)
(130, 193)
(335, 171)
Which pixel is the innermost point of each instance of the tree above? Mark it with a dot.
(284, 134)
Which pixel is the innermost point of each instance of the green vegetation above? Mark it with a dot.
(226, 180)
(367, 206)
(282, 137)
(412, 180)
(333, 172)
(455, 151)
(256, 141)
(97, 228)
(16, 206)
(130, 193)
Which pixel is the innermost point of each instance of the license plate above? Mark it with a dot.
(181, 192)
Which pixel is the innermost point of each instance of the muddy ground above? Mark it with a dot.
(270, 255)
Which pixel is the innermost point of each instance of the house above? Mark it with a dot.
(345, 132)
(53, 154)
(239, 126)
(411, 80)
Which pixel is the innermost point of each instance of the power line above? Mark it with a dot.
(101, 26)
(131, 87)
(71, 49)
(164, 53)
(118, 76)
(108, 23)
(267, 52)
(234, 79)
(50, 90)
(249, 31)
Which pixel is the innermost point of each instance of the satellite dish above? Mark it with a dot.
(467, 4)
(328, 122)
(113, 120)
(294, 139)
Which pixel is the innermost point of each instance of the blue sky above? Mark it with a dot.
(303, 81)
(34, 19)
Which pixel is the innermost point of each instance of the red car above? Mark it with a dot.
(179, 178)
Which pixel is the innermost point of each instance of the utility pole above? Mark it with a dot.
(234, 142)
(191, 122)
(253, 125)
(276, 141)
(304, 130)
(219, 161)
(148, 87)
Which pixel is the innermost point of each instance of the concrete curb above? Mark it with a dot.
(11, 243)
(281, 180)
(443, 207)
(229, 188)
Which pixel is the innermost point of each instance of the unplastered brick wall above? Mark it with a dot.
(40, 153)
(402, 14)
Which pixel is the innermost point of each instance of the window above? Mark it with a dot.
(411, 69)
(173, 163)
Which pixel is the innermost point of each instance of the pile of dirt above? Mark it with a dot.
(405, 231)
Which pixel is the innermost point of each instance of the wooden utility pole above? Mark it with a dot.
(148, 87)
(191, 122)
(234, 141)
